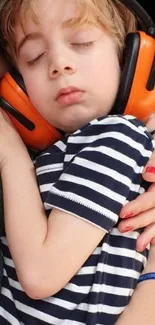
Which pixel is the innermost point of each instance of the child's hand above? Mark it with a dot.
(10, 141)
(141, 212)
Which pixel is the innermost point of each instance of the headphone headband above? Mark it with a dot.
(144, 19)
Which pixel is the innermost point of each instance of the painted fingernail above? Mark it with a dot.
(150, 169)
(128, 215)
(128, 229)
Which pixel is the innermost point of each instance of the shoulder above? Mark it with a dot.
(113, 122)
(120, 128)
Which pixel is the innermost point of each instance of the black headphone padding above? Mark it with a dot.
(130, 55)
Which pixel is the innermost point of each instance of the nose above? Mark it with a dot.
(61, 64)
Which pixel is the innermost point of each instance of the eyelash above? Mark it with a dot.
(86, 44)
(32, 62)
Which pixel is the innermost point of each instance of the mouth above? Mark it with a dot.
(69, 96)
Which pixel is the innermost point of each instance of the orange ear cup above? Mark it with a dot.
(43, 134)
(141, 102)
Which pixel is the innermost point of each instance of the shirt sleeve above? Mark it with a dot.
(96, 182)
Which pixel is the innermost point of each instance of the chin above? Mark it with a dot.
(71, 125)
(69, 128)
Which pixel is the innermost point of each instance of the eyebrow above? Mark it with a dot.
(37, 35)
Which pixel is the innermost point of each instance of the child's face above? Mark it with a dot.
(55, 56)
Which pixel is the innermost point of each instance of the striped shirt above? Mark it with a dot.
(90, 174)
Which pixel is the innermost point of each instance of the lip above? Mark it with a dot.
(69, 95)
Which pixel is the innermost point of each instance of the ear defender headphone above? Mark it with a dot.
(136, 94)
(35, 131)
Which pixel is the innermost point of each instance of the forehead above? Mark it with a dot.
(42, 14)
(55, 11)
(50, 13)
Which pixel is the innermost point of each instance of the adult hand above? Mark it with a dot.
(141, 211)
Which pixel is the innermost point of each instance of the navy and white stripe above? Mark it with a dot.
(90, 174)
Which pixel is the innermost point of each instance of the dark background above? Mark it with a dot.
(148, 5)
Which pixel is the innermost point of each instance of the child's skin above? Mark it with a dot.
(49, 62)
(100, 89)
(143, 203)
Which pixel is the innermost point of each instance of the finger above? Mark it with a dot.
(142, 203)
(5, 116)
(141, 220)
(149, 173)
(153, 241)
(151, 123)
(149, 170)
(145, 237)
(151, 188)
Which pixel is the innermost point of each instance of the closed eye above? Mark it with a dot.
(84, 44)
(32, 62)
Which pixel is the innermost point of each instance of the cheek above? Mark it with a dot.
(104, 76)
(35, 83)
(40, 97)
(108, 72)
(34, 94)
(102, 66)
(105, 79)
(36, 91)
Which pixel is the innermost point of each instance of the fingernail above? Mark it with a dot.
(150, 169)
(128, 229)
(128, 215)
(145, 245)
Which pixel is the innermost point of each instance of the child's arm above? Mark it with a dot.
(140, 310)
(46, 252)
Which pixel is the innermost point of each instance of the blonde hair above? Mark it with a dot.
(111, 15)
